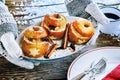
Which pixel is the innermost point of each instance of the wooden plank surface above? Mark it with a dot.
(52, 70)
(34, 11)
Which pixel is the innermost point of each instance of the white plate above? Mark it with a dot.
(82, 62)
(58, 53)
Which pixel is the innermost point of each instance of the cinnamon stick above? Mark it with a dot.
(65, 39)
(50, 51)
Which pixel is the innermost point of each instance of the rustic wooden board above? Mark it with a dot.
(53, 70)
(56, 69)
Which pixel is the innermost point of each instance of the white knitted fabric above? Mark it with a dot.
(67, 1)
(5, 16)
(77, 7)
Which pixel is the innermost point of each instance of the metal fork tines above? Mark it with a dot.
(98, 68)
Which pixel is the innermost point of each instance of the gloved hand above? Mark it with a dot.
(85, 9)
(8, 46)
(12, 52)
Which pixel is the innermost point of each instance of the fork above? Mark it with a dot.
(96, 67)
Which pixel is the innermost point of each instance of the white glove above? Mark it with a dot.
(12, 52)
(85, 9)
(95, 12)
(8, 46)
